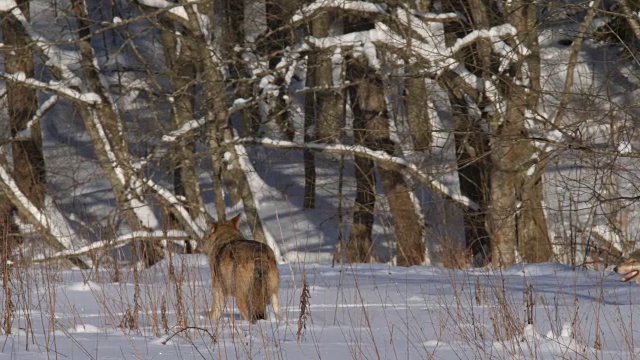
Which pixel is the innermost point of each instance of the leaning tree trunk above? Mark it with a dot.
(104, 127)
(272, 45)
(22, 189)
(28, 160)
(370, 105)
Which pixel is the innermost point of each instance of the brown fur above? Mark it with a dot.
(245, 269)
(630, 266)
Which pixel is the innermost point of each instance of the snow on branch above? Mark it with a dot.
(55, 57)
(425, 25)
(7, 5)
(169, 198)
(112, 244)
(169, 139)
(35, 119)
(55, 87)
(187, 127)
(381, 157)
(190, 126)
(188, 16)
(431, 17)
(309, 11)
(173, 8)
(438, 56)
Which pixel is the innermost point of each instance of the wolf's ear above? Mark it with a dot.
(235, 221)
(210, 232)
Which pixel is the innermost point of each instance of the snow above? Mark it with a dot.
(84, 329)
(438, 56)
(163, 4)
(90, 98)
(83, 287)
(310, 10)
(52, 86)
(361, 310)
(7, 5)
(625, 147)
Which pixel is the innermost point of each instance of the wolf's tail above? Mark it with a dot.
(259, 295)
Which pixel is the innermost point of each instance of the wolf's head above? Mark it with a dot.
(222, 232)
(629, 268)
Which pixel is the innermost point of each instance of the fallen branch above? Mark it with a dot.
(111, 244)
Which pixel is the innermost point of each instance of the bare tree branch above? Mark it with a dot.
(381, 157)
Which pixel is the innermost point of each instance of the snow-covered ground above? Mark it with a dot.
(355, 312)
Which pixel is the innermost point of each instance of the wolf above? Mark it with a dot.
(629, 267)
(245, 269)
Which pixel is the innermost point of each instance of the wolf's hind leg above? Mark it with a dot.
(218, 303)
(243, 306)
(275, 302)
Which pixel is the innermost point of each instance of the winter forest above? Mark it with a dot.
(449, 133)
(458, 134)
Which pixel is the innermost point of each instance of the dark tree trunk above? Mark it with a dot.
(370, 112)
(310, 119)
(471, 141)
(271, 46)
(360, 241)
(416, 96)
(324, 104)
(182, 73)
(532, 222)
(472, 152)
(28, 160)
(9, 231)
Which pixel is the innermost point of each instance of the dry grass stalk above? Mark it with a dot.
(305, 308)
